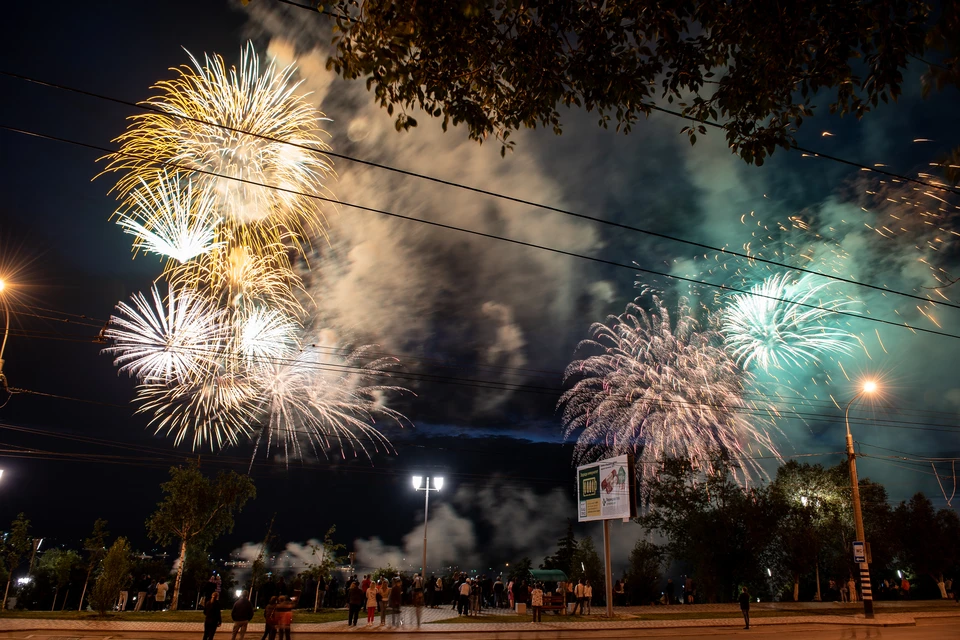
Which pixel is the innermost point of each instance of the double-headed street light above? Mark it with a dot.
(420, 485)
(867, 388)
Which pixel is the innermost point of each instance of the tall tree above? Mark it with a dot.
(566, 550)
(927, 538)
(808, 500)
(114, 576)
(16, 545)
(57, 565)
(643, 576)
(755, 66)
(588, 565)
(713, 525)
(196, 510)
(96, 548)
(328, 555)
(520, 570)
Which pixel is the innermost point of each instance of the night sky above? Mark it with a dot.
(452, 306)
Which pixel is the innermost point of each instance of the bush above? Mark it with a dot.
(114, 576)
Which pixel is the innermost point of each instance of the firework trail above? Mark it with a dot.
(326, 403)
(763, 332)
(662, 389)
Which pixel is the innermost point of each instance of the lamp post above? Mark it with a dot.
(420, 485)
(868, 388)
(6, 330)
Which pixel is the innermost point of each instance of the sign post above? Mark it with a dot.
(859, 552)
(606, 490)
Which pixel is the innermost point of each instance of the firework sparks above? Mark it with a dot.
(249, 99)
(763, 332)
(176, 338)
(661, 389)
(267, 335)
(215, 409)
(168, 219)
(326, 403)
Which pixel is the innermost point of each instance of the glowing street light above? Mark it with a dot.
(420, 485)
(867, 388)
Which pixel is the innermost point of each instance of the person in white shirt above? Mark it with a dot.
(464, 606)
(588, 596)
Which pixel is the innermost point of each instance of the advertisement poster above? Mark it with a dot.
(606, 490)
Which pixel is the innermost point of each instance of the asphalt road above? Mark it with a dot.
(928, 629)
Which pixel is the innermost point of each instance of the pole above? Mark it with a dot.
(426, 511)
(858, 516)
(608, 572)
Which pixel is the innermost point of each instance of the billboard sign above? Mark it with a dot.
(606, 490)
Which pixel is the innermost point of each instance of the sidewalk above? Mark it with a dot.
(631, 618)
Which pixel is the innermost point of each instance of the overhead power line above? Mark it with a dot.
(522, 201)
(532, 245)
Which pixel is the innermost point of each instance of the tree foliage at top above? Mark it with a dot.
(755, 66)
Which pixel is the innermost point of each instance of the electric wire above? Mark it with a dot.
(633, 267)
(517, 200)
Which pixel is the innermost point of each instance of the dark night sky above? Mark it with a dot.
(55, 219)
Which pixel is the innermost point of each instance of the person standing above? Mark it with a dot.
(578, 593)
(463, 598)
(852, 589)
(588, 596)
(371, 594)
(428, 592)
(241, 614)
(161, 597)
(211, 616)
(745, 606)
(510, 593)
(396, 598)
(321, 592)
(270, 620)
(355, 600)
(122, 600)
(536, 601)
(619, 594)
(142, 585)
(498, 593)
(384, 600)
(283, 615)
(671, 597)
(438, 597)
(418, 596)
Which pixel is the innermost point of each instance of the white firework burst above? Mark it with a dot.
(167, 217)
(785, 321)
(174, 338)
(661, 389)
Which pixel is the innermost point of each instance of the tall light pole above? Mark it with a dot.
(868, 388)
(420, 485)
(6, 330)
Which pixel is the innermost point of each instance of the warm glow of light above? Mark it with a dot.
(416, 481)
(869, 386)
(438, 483)
(2, 285)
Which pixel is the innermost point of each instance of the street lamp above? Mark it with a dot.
(867, 388)
(6, 331)
(420, 485)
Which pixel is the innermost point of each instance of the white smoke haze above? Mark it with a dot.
(421, 291)
(415, 289)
